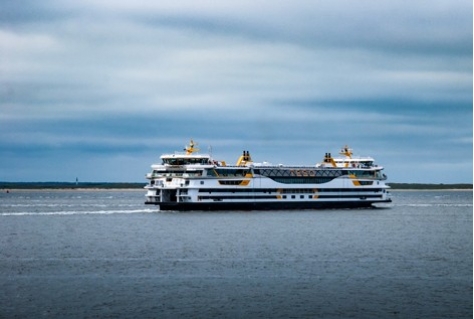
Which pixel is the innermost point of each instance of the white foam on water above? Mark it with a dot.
(94, 212)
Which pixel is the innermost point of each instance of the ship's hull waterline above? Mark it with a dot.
(249, 206)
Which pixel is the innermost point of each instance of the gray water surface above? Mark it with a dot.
(103, 254)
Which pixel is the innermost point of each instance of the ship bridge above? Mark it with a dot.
(184, 159)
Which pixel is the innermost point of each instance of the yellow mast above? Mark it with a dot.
(191, 148)
(346, 151)
(328, 159)
(244, 159)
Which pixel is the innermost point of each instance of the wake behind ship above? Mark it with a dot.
(193, 181)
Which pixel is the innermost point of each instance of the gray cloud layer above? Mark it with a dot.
(118, 82)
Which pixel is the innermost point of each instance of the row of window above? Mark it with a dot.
(274, 173)
(289, 190)
(279, 172)
(221, 172)
(227, 197)
(185, 161)
(302, 180)
(233, 182)
(177, 173)
(362, 173)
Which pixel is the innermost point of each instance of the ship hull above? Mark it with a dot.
(277, 205)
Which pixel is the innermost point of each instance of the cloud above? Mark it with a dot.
(109, 79)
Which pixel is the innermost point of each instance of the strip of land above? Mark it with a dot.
(420, 186)
(68, 185)
(105, 185)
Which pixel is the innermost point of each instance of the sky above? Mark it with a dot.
(99, 89)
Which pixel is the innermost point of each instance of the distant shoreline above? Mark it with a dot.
(79, 189)
(139, 186)
(70, 186)
(431, 189)
(10, 190)
(421, 186)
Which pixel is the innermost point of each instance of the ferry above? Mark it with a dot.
(192, 181)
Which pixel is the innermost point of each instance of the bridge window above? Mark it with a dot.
(185, 161)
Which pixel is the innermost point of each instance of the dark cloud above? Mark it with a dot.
(420, 28)
(18, 13)
(392, 105)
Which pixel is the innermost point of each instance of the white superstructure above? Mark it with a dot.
(192, 181)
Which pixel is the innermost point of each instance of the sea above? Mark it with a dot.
(104, 254)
